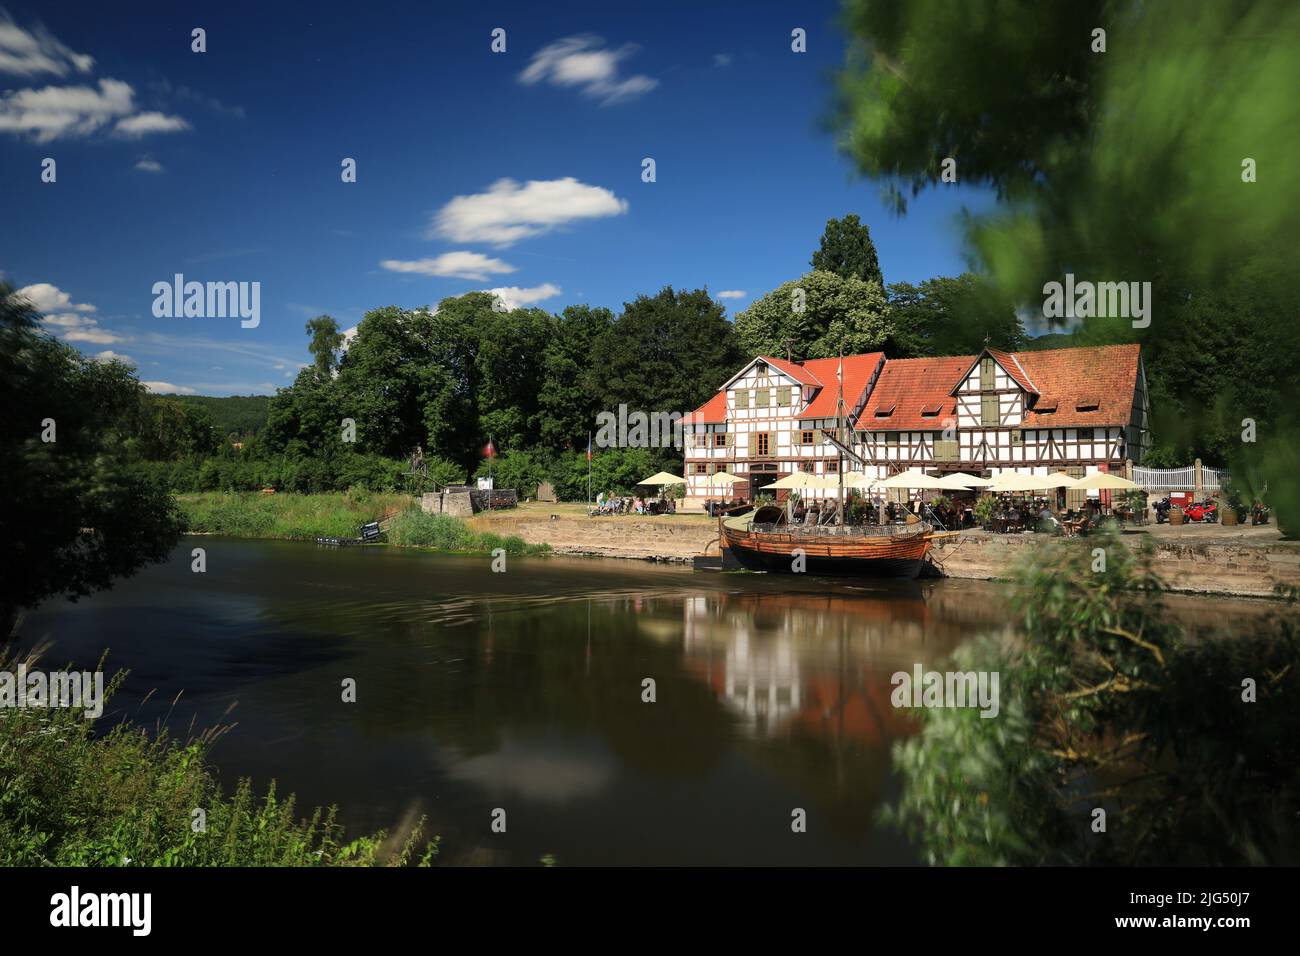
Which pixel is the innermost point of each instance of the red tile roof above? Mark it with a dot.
(712, 412)
(858, 370)
(796, 370)
(909, 386)
(1105, 374)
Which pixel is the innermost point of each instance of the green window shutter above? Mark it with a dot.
(989, 410)
(753, 444)
(763, 396)
(783, 395)
(988, 381)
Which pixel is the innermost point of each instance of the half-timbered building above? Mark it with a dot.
(1076, 410)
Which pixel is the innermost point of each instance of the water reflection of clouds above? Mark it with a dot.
(542, 770)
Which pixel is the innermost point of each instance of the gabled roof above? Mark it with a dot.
(913, 387)
(1010, 363)
(791, 370)
(712, 412)
(796, 370)
(858, 370)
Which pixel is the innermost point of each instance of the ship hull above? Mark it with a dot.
(886, 556)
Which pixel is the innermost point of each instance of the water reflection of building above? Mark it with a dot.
(811, 663)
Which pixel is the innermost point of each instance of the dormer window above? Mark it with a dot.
(931, 410)
(1087, 403)
(1045, 405)
(884, 411)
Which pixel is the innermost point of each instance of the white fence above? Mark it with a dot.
(1179, 479)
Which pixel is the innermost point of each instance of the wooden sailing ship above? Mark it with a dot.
(762, 541)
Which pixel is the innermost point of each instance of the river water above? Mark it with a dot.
(523, 691)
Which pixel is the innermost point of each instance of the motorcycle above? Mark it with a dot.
(1203, 511)
(1259, 513)
(1162, 510)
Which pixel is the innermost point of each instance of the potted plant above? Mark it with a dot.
(1175, 515)
(984, 509)
(1232, 510)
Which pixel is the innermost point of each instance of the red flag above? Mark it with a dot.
(489, 450)
(588, 448)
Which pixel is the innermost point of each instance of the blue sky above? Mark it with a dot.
(518, 170)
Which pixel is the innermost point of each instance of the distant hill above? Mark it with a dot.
(244, 414)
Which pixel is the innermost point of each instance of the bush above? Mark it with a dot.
(416, 528)
(76, 794)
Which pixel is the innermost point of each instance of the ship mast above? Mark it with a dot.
(839, 432)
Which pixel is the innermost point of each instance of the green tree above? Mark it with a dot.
(817, 315)
(569, 397)
(77, 514)
(951, 316)
(326, 340)
(667, 352)
(847, 250)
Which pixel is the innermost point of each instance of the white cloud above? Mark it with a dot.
(722, 59)
(50, 298)
(54, 112)
(508, 212)
(513, 297)
(147, 164)
(65, 317)
(457, 265)
(583, 62)
(108, 355)
(142, 124)
(731, 294)
(94, 335)
(32, 52)
(167, 388)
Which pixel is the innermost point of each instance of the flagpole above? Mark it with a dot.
(588, 471)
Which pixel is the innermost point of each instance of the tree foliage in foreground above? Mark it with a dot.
(1167, 159)
(1106, 702)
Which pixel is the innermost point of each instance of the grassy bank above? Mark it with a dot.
(415, 529)
(254, 515)
(338, 515)
(128, 797)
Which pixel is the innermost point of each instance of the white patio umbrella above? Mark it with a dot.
(1060, 479)
(725, 477)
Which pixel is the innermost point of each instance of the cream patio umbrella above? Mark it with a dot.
(725, 477)
(971, 481)
(913, 478)
(1060, 479)
(1104, 481)
(798, 481)
(958, 482)
(1015, 481)
(662, 478)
